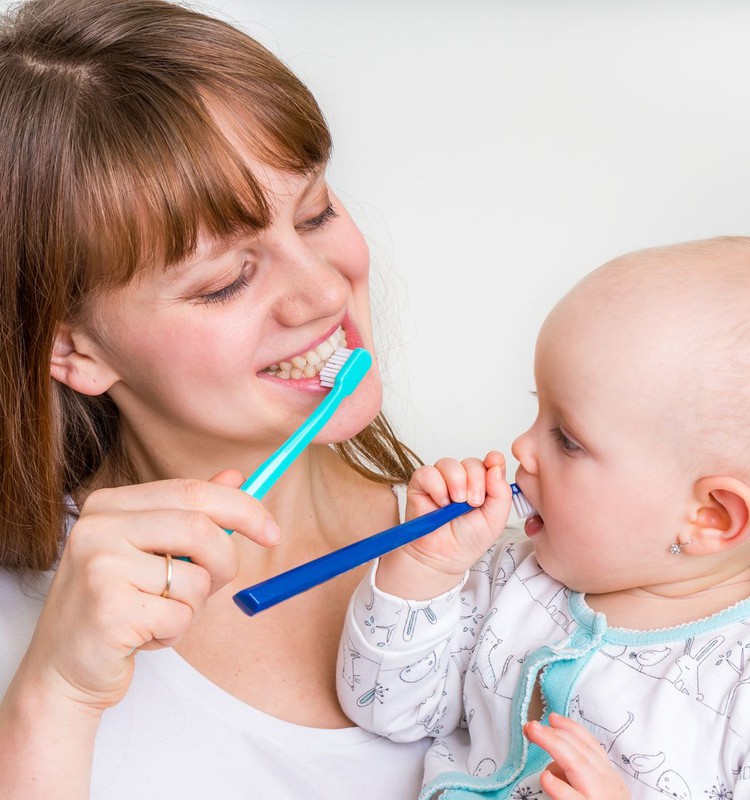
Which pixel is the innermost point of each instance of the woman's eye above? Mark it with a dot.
(567, 444)
(318, 221)
(227, 292)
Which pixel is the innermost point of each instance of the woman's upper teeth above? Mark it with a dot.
(309, 364)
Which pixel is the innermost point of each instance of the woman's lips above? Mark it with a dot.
(298, 385)
(533, 525)
(343, 335)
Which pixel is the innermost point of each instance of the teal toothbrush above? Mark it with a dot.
(343, 372)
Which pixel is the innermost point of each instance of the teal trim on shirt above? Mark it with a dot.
(560, 667)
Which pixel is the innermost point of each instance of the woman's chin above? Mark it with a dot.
(354, 414)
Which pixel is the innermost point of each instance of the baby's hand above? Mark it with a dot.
(580, 769)
(437, 562)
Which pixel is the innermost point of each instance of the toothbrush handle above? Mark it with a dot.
(267, 473)
(264, 477)
(281, 587)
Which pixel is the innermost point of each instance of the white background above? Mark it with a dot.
(494, 151)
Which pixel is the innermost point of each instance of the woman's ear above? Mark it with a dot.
(76, 362)
(721, 519)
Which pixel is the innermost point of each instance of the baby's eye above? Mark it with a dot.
(566, 443)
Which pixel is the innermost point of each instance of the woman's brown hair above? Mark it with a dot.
(110, 162)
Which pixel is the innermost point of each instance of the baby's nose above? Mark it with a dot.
(522, 449)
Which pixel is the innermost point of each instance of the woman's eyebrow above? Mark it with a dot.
(315, 181)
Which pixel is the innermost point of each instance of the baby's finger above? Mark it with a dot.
(557, 788)
(556, 770)
(564, 748)
(586, 769)
(455, 477)
(498, 500)
(593, 785)
(581, 735)
(495, 459)
(428, 481)
(476, 476)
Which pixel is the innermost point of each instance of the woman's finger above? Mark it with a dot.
(160, 622)
(172, 579)
(180, 533)
(223, 504)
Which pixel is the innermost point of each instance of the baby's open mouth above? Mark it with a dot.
(309, 364)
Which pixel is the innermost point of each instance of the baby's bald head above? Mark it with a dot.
(670, 326)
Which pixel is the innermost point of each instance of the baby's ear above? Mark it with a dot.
(77, 363)
(721, 519)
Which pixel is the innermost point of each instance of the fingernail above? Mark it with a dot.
(477, 498)
(272, 531)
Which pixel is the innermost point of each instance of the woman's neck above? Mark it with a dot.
(321, 504)
(318, 503)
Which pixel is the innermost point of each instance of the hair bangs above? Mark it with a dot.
(284, 129)
(152, 180)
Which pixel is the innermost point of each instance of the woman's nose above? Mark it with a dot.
(310, 286)
(523, 451)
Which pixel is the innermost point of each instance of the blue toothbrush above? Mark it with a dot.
(299, 579)
(281, 587)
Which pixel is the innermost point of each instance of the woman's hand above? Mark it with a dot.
(437, 562)
(580, 768)
(106, 599)
(105, 602)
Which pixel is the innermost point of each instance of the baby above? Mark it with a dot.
(606, 654)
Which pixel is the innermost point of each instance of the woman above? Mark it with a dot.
(167, 238)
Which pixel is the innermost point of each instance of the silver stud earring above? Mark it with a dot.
(676, 548)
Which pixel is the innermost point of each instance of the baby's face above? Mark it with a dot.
(601, 463)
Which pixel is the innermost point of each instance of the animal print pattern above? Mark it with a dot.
(458, 668)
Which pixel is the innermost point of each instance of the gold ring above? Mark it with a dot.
(168, 584)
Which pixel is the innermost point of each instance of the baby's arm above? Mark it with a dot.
(399, 672)
(436, 563)
(580, 769)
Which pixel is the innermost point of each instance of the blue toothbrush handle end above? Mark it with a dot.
(281, 587)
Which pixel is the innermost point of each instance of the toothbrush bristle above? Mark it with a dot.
(522, 506)
(333, 366)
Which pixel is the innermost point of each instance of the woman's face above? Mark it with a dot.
(187, 354)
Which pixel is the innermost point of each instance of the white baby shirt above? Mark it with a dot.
(671, 707)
